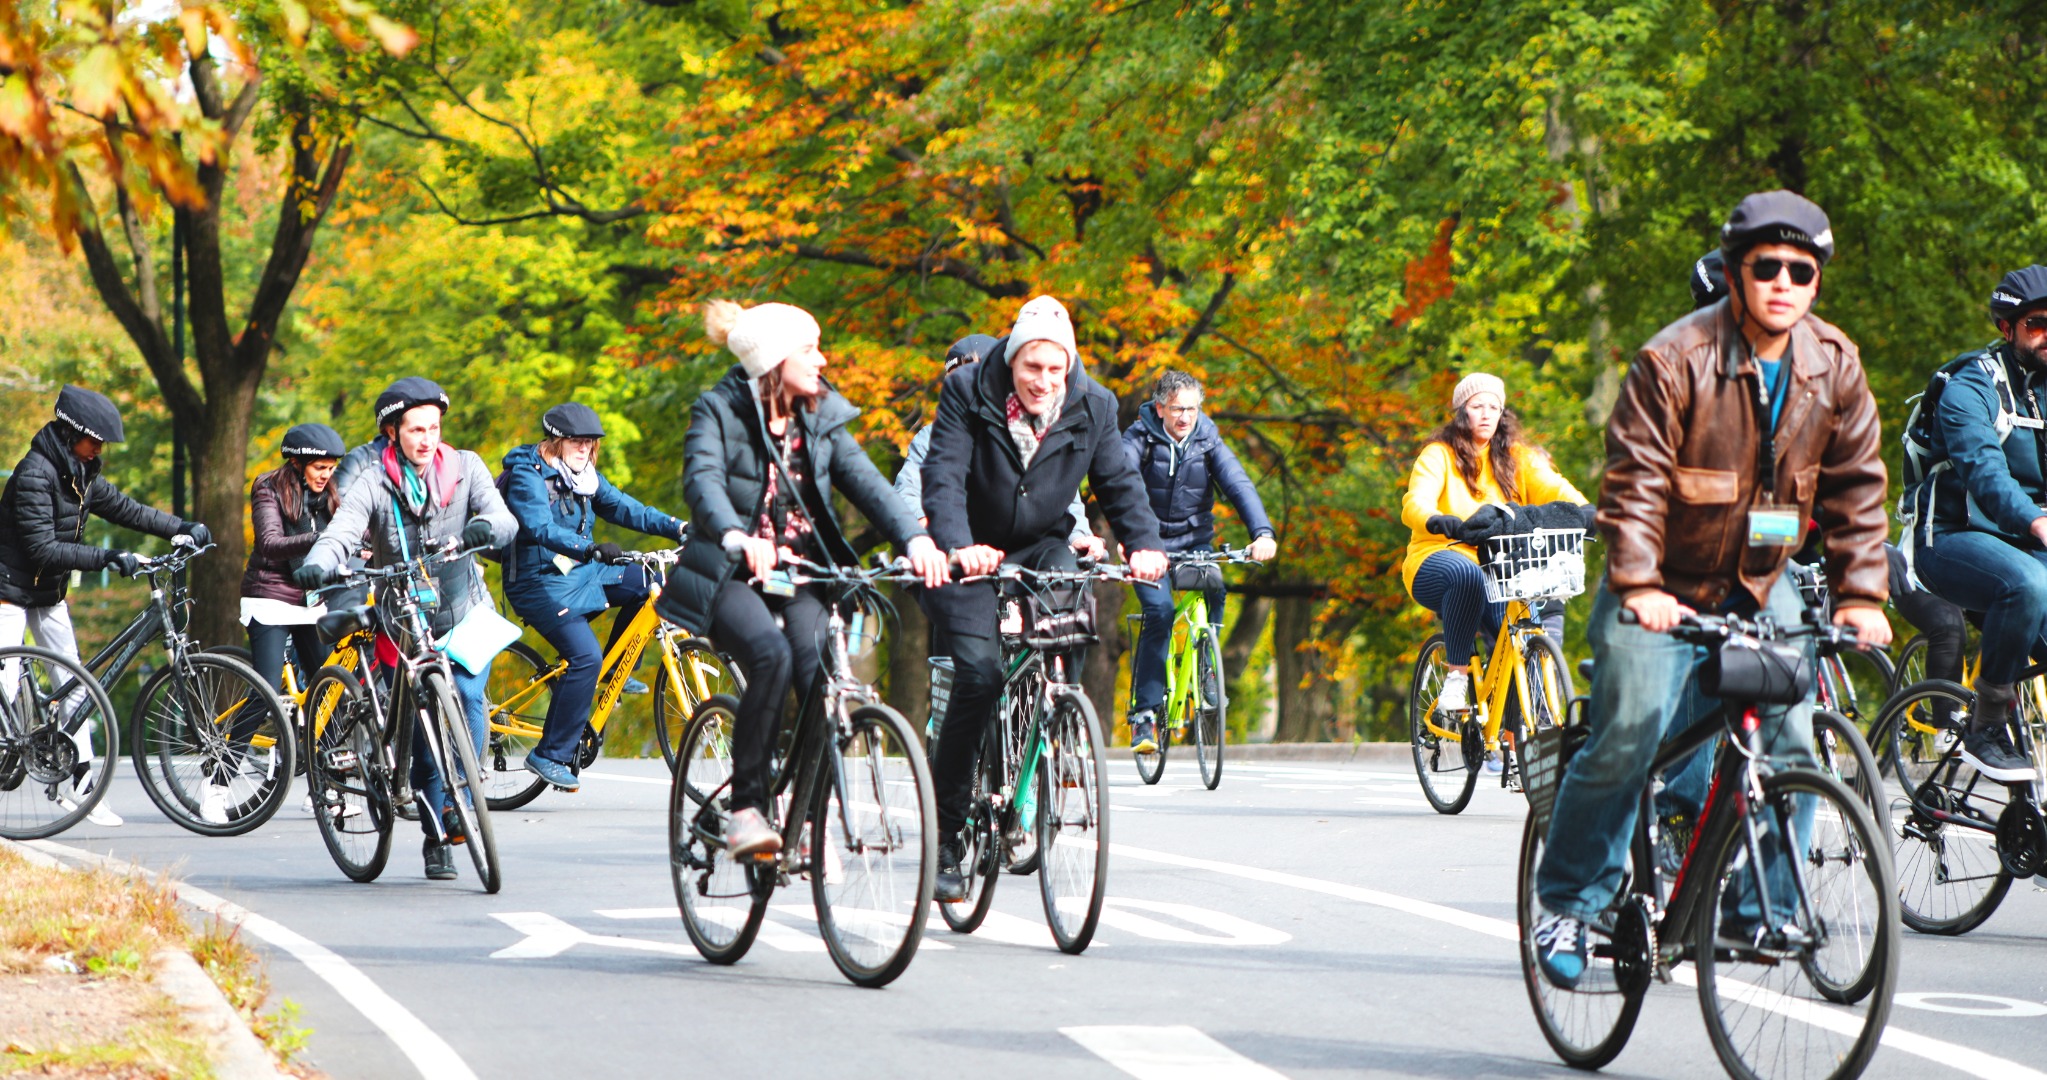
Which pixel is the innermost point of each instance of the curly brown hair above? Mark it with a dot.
(1464, 449)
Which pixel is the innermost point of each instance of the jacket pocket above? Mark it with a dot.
(1803, 483)
(1706, 487)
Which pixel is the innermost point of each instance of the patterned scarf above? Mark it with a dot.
(1027, 431)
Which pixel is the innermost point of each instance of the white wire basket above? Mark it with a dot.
(1546, 564)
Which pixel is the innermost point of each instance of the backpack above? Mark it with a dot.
(1922, 466)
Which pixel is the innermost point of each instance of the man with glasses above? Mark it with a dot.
(1737, 424)
(1184, 463)
(1981, 508)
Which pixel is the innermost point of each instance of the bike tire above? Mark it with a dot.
(1020, 852)
(1910, 666)
(1152, 766)
(451, 730)
(1211, 707)
(1587, 1025)
(1854, 974)
(1842, 753)
(1446, 773)
(1073, 821)
(1870, 676)
(1913, 730)
(1546, 679)
(981, 857)
(348, 770)
(513, 735)
(697, 805)
(675, 704)
(862, 876)
(1951, 877)
(35, 766)
(177, 759)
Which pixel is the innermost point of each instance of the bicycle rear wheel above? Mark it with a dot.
(722, 901)
(1951, 877)
(981, 856)
(58, 742)
(1863, 679)
(1073, 821)
(1918, 727)
(1211, 707)
(1842, 753)
(211, 745)
(349, 772)
(1587, 1025)
(1829, 944)
(466, 783)
(1447, 773)
(704, 675)
(515, 731)
(874, 849)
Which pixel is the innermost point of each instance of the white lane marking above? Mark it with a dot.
(621, 777)
(428, 1052)
(549, 936)
(1006, 929)
(1971, 1004)
(1121, 913)
(857, 917)
(1168, 1053)
(1954, 1055)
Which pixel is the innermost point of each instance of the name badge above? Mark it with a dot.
(1775, 526)
(777, 583)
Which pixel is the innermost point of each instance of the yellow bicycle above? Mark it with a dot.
(1523, 688)
(521, 688)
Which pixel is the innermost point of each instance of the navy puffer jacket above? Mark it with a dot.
(1184, 480)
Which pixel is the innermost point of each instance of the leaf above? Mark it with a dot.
(96, 81)
(297, 23)
(396, 38)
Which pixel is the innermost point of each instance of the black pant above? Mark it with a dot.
(266, 644)
(774, 658)
(970, 615)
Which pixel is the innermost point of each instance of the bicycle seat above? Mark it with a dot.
(336, 625)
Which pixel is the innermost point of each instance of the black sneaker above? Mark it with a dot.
(951, 886)
(440, 861)
(1988, 750)
(451, 826)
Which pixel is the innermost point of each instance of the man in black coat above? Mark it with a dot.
(43, 511)
(1016, 434)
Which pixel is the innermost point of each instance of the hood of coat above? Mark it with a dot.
(50, 443)
(831, 412)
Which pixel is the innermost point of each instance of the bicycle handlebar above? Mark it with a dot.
(173, 560)
(1700, 629)
(352, 577)
(897, 570)
(1241, 556)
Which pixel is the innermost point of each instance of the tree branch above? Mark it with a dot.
(292, 244)
(1207, 319)
(939, 266)
(131, 229)
(183, 398)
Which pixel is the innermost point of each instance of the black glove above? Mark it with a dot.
(309, 576)
(197, 530)
(126, 563)
(1445, 524)
(477, 533)
(608, 553)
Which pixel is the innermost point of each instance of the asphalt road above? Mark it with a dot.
(1304, 920)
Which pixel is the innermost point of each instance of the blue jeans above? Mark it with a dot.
(1642, 690)
(1148, 664)
(425, 778)
(2005, 582)
(568, 710)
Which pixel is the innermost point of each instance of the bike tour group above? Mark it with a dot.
(1693, 807)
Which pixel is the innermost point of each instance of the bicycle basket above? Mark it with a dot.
(1543, 757)
(1546, 564)
(941, 693)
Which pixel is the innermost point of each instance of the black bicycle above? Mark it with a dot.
(369, 719)
(58, 741)
(851, 796)
(1782, 895)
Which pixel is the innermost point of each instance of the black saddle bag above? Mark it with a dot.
(1762, 672)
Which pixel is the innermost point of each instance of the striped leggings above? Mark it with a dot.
(1453, 587)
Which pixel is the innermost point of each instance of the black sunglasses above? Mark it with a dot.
(1802, 273)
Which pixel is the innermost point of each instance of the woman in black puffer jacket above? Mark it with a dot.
(288, 506)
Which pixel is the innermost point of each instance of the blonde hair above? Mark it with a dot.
(720, 316)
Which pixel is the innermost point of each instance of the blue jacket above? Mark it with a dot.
(1989, 487)
(555, 521)
(1183, 481)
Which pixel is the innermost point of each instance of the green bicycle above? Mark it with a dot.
(1197, 701)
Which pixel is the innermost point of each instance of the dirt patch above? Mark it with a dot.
(58, 1025)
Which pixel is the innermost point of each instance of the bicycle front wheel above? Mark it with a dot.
(466, 783)
(1842, 753)
(704, 675)
(1152, 766)
(519, 694)
(1211, 707)
(981, 852)
(1812, 929)
(348, 771)
(1073, 821)
(212, 746)
(722, 901)
(1445, 768)
(1861, 684)
(874, 849)
(1546, 679)
(58, 742)
(1587, 1024)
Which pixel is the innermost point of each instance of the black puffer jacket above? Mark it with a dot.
(725, 469)
(1183, 480)
(42, 521)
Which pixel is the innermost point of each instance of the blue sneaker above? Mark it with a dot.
(554, 772)
(635, 686)
(1560, 949)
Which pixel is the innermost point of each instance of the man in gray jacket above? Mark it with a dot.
(416, 496)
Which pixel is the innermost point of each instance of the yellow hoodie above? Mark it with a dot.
(1434, 487)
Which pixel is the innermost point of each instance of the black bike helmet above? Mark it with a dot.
(572, 421)
(1776, 217)
(1708, 279)
(312, 441)
(407, 394)
(2020, 291)
(89, 412)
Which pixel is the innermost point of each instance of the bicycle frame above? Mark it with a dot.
(1190, 612)
(1500, 677)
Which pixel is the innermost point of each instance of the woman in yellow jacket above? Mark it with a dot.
(1477, 458)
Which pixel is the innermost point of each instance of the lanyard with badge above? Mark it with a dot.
(1770, 523)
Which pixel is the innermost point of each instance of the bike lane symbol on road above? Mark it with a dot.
(1971, 1004)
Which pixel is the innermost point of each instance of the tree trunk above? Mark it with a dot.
(220, 459)
(1242, 640)
(909, 672)
(1105, 660)
(1306, 701)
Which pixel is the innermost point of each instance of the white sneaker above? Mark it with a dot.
(1456, 693)
(213, 804)
(104, 817)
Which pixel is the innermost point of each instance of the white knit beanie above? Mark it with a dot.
(1474, 384)
(761, 336)
(1043, 319)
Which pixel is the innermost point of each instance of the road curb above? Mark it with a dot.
(233, 1048)
(1372, 753)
